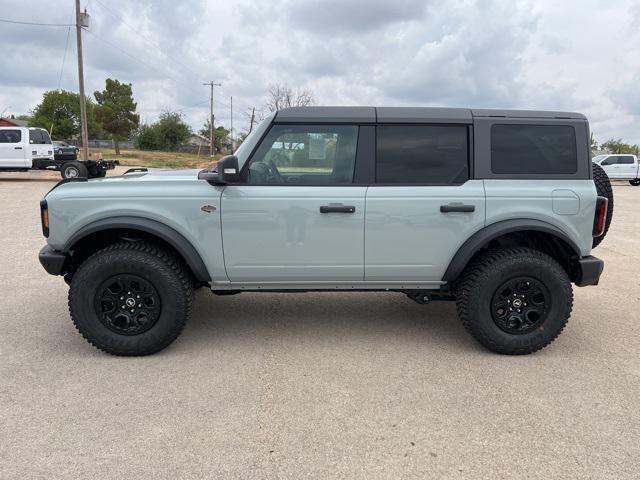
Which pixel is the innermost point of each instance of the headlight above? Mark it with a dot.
(44, 217)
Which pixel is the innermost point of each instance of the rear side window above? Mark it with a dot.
(533, 149)
(10, 136)
(422, 154)
(625, 159)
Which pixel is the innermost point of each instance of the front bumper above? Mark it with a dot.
(52, 260)
(589, 271)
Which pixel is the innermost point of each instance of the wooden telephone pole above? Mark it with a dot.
(211, 129)
(83, 99)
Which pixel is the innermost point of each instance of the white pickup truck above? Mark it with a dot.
(620, 167)
(30, 148)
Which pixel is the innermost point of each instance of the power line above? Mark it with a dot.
(124, 52)
(64, 56)
(146, 37)
(5, 20)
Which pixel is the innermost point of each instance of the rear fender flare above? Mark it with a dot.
(493, 231)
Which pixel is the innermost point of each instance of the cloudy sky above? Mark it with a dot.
(578, 55)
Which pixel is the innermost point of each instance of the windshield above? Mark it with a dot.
(245, 149)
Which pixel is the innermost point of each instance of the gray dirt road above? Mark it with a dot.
(355, 386)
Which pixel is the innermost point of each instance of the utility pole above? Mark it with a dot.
(83, 99)
(253, 114)
(233, 143)
(211, 129)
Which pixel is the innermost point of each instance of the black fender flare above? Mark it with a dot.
(153, 227)
(495, 230)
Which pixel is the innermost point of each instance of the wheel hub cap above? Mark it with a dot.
(520, 305)
(127, 304)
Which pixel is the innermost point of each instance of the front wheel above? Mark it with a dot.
(514, 301)
(635, 182)
(131, 298)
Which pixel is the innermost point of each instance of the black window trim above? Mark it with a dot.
(470, 155)
(482, 148)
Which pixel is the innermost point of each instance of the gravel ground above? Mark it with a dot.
(353, 385)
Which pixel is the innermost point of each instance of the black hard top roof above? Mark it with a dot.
(406, 114)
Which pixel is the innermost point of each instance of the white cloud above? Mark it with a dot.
(577, 55)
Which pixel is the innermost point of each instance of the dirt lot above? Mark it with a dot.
(356, 386)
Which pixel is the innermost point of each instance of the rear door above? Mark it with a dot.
(40, 144)
(12, 148)
(423, 205)
(297, 217)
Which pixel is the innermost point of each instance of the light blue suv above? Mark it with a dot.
(497, 210)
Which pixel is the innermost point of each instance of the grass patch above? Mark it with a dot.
(153, 159)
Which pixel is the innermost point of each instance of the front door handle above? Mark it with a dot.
(17, 148)
(453, 207)
(337, 208)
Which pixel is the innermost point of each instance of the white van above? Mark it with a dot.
(21, 147)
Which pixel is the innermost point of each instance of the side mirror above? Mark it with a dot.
(227, 171)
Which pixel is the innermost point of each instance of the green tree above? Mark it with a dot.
(594, 143)
(59, 112)
(618, 146)
(167, 133)
(117, 111)
(222, 140)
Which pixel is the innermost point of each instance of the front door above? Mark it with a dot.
(611, 167)
(12, 149)
(423, 206)
(296, 217)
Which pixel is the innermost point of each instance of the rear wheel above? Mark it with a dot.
(514, 301)
(603, 187)
(635, 182)
(131, 298)
(74, 169)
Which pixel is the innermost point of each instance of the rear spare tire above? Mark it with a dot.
(603, 187)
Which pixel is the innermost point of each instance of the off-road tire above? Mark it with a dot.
(74, 166)
(482, 278)
(603, 187)
(164, 271)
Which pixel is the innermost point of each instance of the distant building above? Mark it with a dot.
(13, 122)
(197, 140)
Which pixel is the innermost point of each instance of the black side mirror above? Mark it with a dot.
(227, 171)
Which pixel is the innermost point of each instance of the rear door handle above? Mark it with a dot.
(452, 207)
(337, 208)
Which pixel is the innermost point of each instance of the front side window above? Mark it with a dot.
(533, 149)
(422, 154)
(611, 160)
(305, 155)
(10, 136)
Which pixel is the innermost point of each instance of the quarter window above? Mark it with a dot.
(533, 149)
(305, 155)
(422, 154)
(10, 136)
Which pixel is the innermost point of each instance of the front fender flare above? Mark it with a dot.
(153, 227)
(493, 231)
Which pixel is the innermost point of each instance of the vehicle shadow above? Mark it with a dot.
(333, 317)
